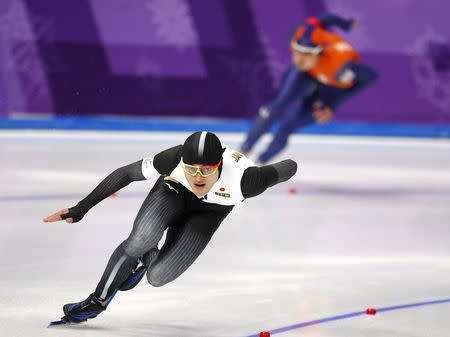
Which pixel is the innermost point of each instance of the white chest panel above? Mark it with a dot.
(227, 190)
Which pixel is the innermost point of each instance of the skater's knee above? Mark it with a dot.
(160, 274)
(156, 279)
(134, 248)
(264, 112)
(156, 282)
(268, 114)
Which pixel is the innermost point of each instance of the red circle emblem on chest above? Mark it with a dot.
(222, 189)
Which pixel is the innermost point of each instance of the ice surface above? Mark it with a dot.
(369, 227)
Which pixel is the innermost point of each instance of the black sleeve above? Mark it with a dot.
(166, 161)
(365, 76)
(111, 184)
(256, 180)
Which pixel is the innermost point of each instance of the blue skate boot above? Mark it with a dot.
(92, 306)
(89, 308)
(80, 312)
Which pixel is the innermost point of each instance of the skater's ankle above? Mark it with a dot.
(102, 301)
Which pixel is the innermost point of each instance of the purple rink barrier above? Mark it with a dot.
(211, 58)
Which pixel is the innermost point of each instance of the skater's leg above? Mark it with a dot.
(298, 118)
(160, 209)
(183, 245)
(292, 87)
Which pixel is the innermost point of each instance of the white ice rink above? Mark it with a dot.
(368, 228)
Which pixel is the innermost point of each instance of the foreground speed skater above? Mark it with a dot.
(325, 72)
(198, 184)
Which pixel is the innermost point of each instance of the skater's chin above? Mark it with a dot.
(201, 185)
(200, 189)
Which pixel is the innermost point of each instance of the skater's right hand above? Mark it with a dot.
(322, 114)
(69, 214)
(58, 216)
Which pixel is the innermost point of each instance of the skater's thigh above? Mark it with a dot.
(183, 245)
(293, 83)
(162, 207)
(294, 86)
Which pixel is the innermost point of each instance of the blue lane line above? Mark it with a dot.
(412, 305)
(223, 125)
(353, 314)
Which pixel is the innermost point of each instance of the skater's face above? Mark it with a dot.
(201, 185)
(304, 61)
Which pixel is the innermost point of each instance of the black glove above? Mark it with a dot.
(76, 213)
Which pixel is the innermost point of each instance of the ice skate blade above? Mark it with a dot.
(62, 321)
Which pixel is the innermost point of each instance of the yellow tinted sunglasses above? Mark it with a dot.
(204, 171)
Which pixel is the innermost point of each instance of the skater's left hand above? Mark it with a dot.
(322, 114)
